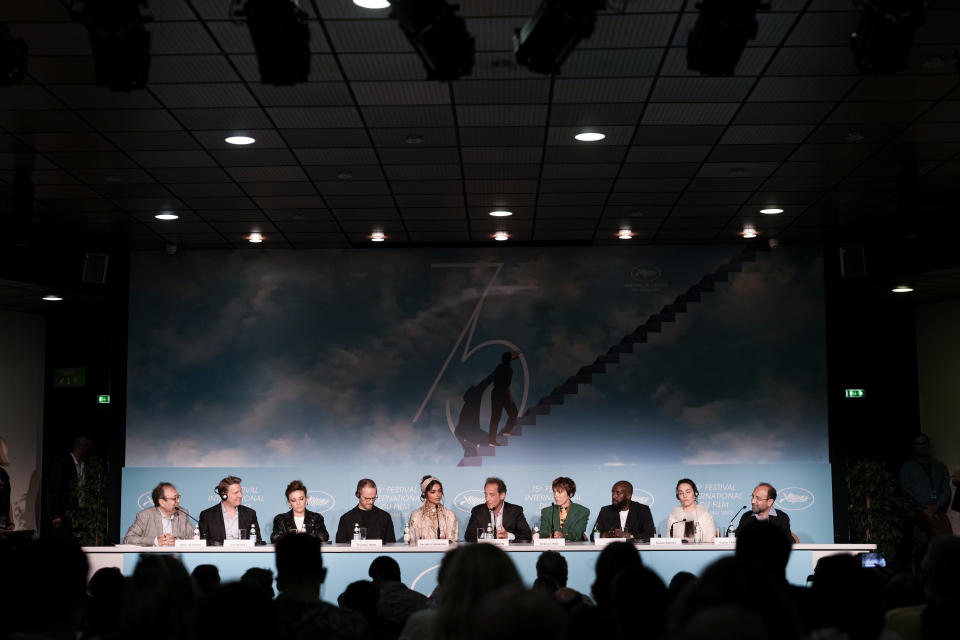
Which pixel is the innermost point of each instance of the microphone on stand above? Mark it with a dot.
(730, 526)
(187, 514)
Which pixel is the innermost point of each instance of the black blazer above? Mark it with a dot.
(213, 530)
(312, 522)
(639, 520)
(781, 520)
(513, 522)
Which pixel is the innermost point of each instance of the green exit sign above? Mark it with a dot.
(103, 399)
(853, 393)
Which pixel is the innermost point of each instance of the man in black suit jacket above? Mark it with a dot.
(505, 518)
(761, 509)
(637, 524)
(225, 520)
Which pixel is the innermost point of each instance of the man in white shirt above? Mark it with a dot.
(162, 524)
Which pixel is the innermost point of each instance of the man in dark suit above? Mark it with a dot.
(67, 475)
(504, 518)
(225, 520)
(761, 509)
(625, 518)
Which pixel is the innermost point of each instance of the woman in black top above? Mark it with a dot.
(298, 519)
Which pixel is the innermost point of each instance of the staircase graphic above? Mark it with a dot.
(474, 454)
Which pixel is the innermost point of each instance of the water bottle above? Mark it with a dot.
(253, 532)
(196, 532)
(731, 531)
(596, 532)
(489, 535)
(536, 532)
(406, 534)
(356, 531)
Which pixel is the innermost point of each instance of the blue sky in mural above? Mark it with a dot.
(289, 358)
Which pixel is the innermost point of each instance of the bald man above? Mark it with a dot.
(625, 518)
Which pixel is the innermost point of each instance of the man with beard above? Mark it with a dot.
(625, 518)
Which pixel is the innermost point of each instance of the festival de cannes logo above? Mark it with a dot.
(320, 501)
(795, 499)
(145, 501)
(467, 500)
(645, 273)
(643, 497)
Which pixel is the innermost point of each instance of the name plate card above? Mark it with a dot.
(730, 541)
(602, 542)
(366, 543)
(549, 542)
(240, 543)
(666, 540)
(189, 543)
(430, 542)
(500, 542)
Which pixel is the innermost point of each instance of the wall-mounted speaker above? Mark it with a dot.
(853, 262)
(95, 267)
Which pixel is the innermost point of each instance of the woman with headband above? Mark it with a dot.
(432, 520)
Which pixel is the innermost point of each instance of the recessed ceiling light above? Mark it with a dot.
(771, 211)
(166, 215)
(345, 175)
(377, 236)
(500, 236)
(414, 138)
(590, 136)
(749, 232)
(625, 234)
(255, 237)
(52, 298)
(933, 62)
(501, 213)
(372, 4)
(854, 136)
(902, 288)
(239, 140)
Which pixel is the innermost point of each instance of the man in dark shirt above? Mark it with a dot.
(500, 398)
(377, 522)
(761, 509)
(397, 602)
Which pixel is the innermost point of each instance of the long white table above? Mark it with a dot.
(418, 565)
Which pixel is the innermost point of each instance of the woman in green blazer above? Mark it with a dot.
(564, 519)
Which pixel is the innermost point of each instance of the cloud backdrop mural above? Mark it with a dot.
(293, 358)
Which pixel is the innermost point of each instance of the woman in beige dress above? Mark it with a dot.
(433, 520)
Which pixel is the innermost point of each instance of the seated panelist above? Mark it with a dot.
(226, 520)
(432, 520)
(625, 518)
(377, 522)
(299, 519)
(564, 519)
(684, 521)
(506, 520)
(163, 523)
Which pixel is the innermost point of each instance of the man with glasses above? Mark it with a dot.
(761, 510)
(161, 524)
(377, 522)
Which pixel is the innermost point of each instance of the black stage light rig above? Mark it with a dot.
(13, 57)
(439, 36)
(120, 43)
(720, 34)
(281, 38)
(553, 31)
(884, 34)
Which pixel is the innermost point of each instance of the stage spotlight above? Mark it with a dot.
(13, 57)
(718, 37)
(884, 34)
(439, 36)
(552, 32)
(120, 43)
(281, 38)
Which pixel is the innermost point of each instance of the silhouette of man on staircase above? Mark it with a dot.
(501, 399)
